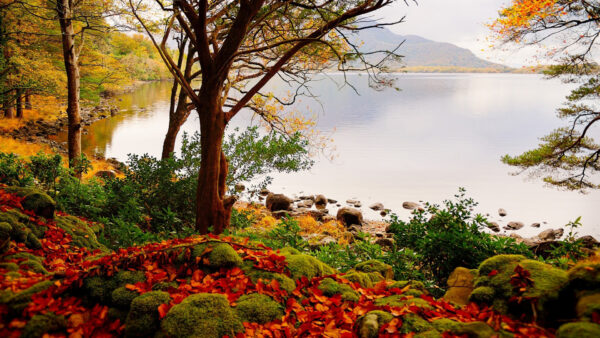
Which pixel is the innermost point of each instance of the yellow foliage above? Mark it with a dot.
(46, 108)
(10, 145)
(332, 228)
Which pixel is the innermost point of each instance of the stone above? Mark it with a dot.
(280, 214)
(589, 242)
(264, 192)
(239, 187)
(276, 202)
(376, 206)
(349, 216)
(308, 197)
(387, 243)
(352, 201)
(410, 205)
(354, 228)
(327, 240)
(357, 205)
(536, 225)
(331, 201)
(502, 212)
(329, 218)
(320, 202)
(495, 227)
(514, 226)
(106, 174)
(550, 234)
(305, 204)
(460, 285)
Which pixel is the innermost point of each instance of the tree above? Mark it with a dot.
(238, 47)
(568, 156)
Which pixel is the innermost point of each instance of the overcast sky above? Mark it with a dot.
(461, 22)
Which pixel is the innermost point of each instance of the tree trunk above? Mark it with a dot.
(213, 208)
(19, 100)
(9, 113)
(176, 120)
(72, 69)
(28, 100)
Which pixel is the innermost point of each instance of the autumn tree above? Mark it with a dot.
(568, 156)
(238, 47)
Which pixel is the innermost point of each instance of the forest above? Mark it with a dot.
(196, 239)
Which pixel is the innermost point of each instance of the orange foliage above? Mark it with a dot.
(518, 17)
(10, 145)
(332, 228)
(45, 108)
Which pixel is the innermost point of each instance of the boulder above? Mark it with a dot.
(352, 201)
(320, 202)
(264, 192)
(550, 234)
(350, 216)
(502, 212)
(460, 285)
(40, 203)
(410, 205)
(495, 227)
(308, 197)
(331, 201)
(376, 206)
(385, 242)
(589, 242)
(536, 225)
(383, 213)
(276, 202)
(514, 226)
(305, 204)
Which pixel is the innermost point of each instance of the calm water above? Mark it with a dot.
(438, 133)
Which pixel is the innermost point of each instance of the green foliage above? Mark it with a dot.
(241, 219)
(286, 234)
(569, 250)
(446, 238)
(13, 171)
(46, 169)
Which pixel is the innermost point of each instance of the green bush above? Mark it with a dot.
(13, 171)
(449, 237)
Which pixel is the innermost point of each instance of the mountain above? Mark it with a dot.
(421, 53)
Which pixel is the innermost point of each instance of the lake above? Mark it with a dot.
(438, 133)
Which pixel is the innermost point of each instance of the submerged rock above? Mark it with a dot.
(376, 206)
(514, 226)
(350, 216)
(502, 212)
(410, 205)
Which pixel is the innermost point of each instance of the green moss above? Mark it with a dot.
(376, 266)
(445, 325)
(33, 242)
(44, 323)
(122, 297)
(34, 266)
(483, 294)
(588, 304)
(117, 313)
(475, 330)
(18, 301)
(369, 324)
(258, 308)
(289, 251)
(304, 265)
(416, 289)
(9, 266)
(202, 315)
(99, 288)
(222, 255)
(578, 330)
(331, 288)
(403, 300)
(163, 286)
(428, 334)
(365, 279)
(5, 230)
(129, 277)
(547, 283)
(285, 282)
(143, 319)
(413, 323)
(13, 275)
(19, 232)
(40, 203)
(584, 276)
(83, 235)
(24, 256)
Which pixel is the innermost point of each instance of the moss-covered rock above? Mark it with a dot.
(129, 277)
(9, 266)
(331, 288)
(33, 242)
(300, 265)
(369, 324)
(403, 300)
(414, 323)
(483, 294)
(285, 282)
(122, 297)
(23, 256)
(16, 302)
(578, 330)
(34, 266)
(201, 315)
(258, 308)
(115, 313)
(474, 330)
(40, 324)
(376, 266)
(222, 255)
(460, 285)
(143, 318)
(415, 288)
(445, 325)
(496, 273)
(365, 279)
(82, 234)
(587, 304)
(164, 286)
(428, 334)
(38, 202)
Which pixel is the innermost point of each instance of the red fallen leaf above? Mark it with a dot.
(163, 309)
(493, 273)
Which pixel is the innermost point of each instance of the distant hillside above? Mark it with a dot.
(421, 54)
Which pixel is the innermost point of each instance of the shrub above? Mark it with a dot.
(13, 171)
(448, 237)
